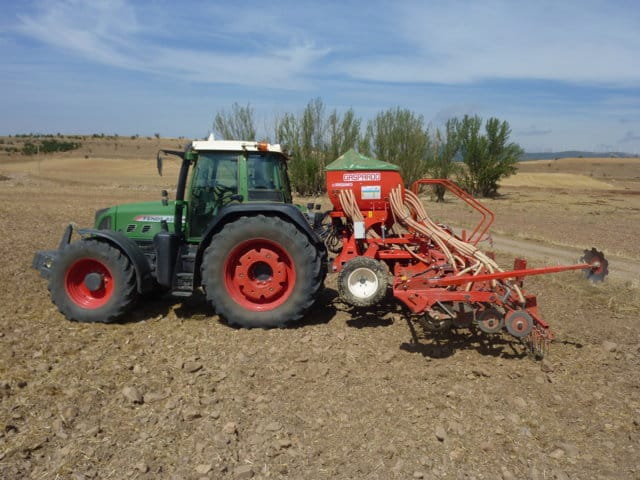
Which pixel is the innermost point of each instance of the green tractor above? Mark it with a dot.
(232, 230)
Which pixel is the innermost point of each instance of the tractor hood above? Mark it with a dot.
(139, 221)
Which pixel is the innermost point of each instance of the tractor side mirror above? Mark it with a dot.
(165, 197)
(159, 162)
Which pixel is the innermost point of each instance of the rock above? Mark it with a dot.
(486, 446)
(229, 428)
(21, 384)
(441, 433)
(610, 347)
(518, 402)
(142, 467)
(191, 414)
(203, 469)
(192, 367)
(418, 474)
(154, 397)
(506, 474)
(284, 443)
(243, 471)
(273, 427)
(69, 413)
(569, 448)
(397, 468)
(456, 455)
(557, 453)
(481, 372)
(513, 418)
(389, 356)
(218, 376)
(546, 366)
(132, 394)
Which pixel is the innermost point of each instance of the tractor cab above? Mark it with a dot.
(230, 171)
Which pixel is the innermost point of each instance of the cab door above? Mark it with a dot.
(214, 182)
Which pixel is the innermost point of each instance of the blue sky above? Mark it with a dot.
(564, 74)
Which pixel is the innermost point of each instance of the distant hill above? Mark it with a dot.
(573, 154)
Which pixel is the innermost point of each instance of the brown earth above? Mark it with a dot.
(174, 393)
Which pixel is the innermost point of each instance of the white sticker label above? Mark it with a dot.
(370, 192)
(361, 177)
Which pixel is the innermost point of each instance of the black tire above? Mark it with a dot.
(262, 272)
(92, 281)
(371, 274)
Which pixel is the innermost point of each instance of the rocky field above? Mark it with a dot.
(172, 392)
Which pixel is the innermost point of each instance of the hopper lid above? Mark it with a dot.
(352, 160)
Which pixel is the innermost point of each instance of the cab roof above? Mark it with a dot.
(235, 146)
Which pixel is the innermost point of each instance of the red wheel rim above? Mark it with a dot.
(77, 289)
(259, 275)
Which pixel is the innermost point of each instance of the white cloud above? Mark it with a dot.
(461, 42)
(109, 32)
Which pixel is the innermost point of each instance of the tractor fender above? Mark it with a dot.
(144, 280)
(231, 212)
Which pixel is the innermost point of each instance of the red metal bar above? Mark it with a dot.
(445, 281)
(487, 215)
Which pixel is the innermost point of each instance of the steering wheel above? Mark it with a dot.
(221, 188)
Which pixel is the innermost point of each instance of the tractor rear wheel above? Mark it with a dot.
(261, 272)
(91, 281)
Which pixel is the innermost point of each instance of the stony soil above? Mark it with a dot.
(174, 393)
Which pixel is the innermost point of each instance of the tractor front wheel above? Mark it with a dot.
(91, 281)
(261, 272)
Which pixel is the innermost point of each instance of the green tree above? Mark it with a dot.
(238, 124)
(441, 161)
(303, 137)
(343, 133)
(488, 157)
(399, 136)
(313, 140)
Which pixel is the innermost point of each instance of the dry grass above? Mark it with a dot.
(556, 180)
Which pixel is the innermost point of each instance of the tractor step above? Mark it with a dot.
(183, 284)
(181, 293)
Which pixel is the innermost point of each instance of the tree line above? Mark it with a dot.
(476, 157)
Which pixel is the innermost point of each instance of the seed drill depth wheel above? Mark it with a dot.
(363, 282)
(519, 323)
(490, 320)
(261, 272)
(92, 281)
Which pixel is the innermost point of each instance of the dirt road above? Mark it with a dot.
(620, 268)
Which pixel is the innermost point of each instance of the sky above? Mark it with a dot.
(564, 74)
